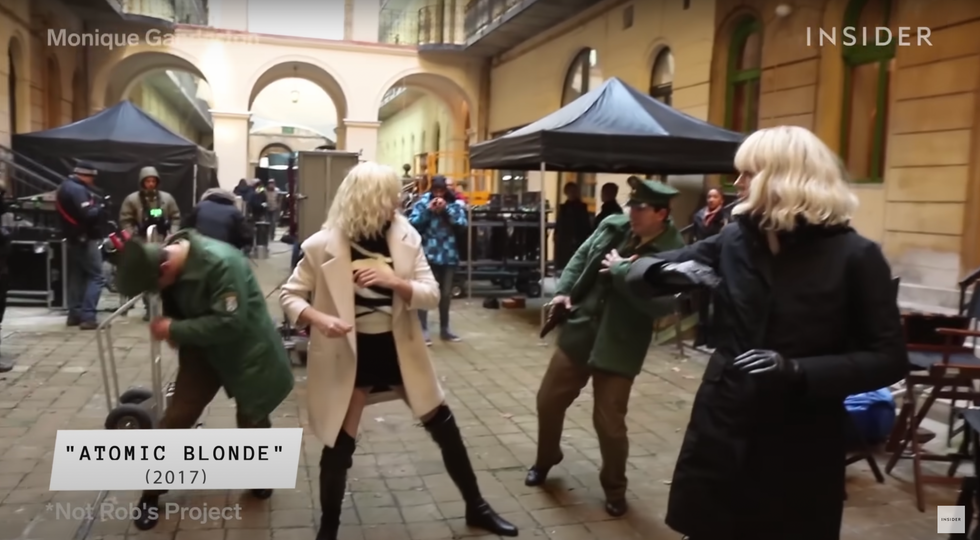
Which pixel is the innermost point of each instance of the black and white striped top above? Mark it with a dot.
(372, 304)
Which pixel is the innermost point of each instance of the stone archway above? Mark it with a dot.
(114, 82)
(308, 69)
(451, 157)
(266, 150)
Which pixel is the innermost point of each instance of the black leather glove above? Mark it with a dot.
(650, 277)
(762, 362)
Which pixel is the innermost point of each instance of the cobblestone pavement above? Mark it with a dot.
(399, 489)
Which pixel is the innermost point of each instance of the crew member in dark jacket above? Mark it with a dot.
(610, 207)
(216, 216)
(5, 247)
(808, 316)
(573, 225)
(82, 216)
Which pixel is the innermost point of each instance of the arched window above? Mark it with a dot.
(583, 75)
(866, 78)
(662, 77)
(744, 76)
(52, 110)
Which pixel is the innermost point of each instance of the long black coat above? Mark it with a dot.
(572, 228)
(759, 460)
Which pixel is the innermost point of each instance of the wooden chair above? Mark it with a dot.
(941, 367)
(969, 496)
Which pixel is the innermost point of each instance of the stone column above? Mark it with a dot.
(362, 136)
(231, 146)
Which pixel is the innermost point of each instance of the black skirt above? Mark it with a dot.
(377, 362)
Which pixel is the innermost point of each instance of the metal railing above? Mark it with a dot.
(398, 27)
(480, 14)
(24, 177)
(440, 27)
(176, 11)
(431, 25)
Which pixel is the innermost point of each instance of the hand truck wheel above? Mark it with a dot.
(135, 396)
(129, 416)
(533, 290)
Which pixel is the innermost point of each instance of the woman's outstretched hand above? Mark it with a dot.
(612, 258)
(330, 326)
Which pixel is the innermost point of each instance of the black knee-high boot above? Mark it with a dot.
(334, 463)
(442, 427)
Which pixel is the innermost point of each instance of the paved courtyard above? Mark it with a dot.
(398, 487)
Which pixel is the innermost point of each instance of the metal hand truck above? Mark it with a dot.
(136, 408)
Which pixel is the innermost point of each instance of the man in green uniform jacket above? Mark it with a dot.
(607, 334)
(215, 314)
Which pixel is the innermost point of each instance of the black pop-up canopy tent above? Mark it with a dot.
(613, 129)
(119, 141)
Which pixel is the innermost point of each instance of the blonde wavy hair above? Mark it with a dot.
(793, 175)
(366, 200)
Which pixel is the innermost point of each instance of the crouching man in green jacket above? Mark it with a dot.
(606, 335)
(215, 314)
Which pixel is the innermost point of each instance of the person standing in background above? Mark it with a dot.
(216, 216)
(149, 205)
(436, 216)
(573, 225)
(272, 196)
(610, 207)
(242, 190)
(82, 214)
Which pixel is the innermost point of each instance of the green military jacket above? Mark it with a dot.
(220, 315)
(609, 329)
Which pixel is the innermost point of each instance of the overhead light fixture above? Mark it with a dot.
(294, 95)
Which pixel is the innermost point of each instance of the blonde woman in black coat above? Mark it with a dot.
(806, 315)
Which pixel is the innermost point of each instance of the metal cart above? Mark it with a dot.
(136, 408)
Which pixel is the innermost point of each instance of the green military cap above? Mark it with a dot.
(649, 192)
(138, 269)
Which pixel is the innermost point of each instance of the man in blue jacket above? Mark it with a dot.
(436, 216)
(82, 216)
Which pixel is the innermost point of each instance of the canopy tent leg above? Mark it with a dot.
(543, 257)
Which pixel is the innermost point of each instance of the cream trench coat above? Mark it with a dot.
(325, 275)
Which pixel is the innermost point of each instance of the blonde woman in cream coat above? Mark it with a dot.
(359, 285)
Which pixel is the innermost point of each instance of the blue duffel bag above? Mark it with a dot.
(872, 415)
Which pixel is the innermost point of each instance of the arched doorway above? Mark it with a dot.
(298, 93)
(432, 111)
(583, 75)
(52, 90)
